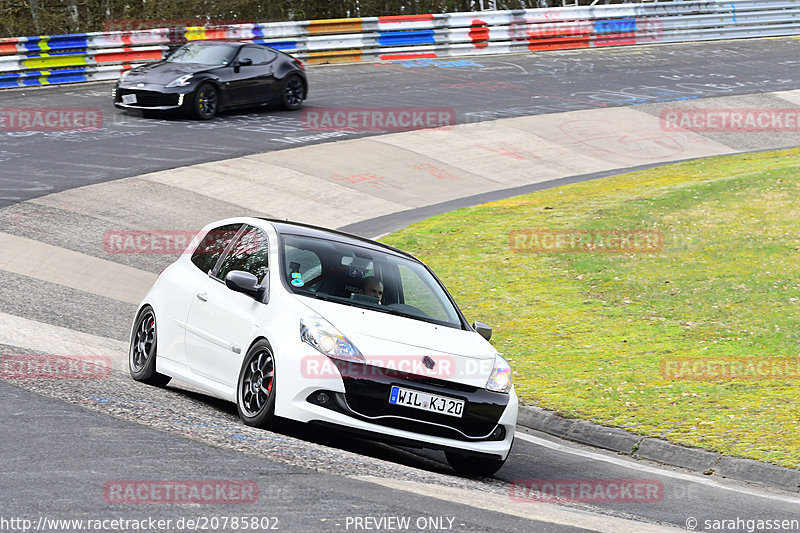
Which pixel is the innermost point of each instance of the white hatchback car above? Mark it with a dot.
(290, 320)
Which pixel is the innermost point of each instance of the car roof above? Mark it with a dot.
(286, 227)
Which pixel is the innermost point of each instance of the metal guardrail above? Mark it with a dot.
(28, 61)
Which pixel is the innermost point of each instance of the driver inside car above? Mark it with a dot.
(372, 286)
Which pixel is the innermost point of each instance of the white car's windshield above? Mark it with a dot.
(364, 277)
(202, 54)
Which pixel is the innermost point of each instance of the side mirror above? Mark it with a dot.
(485, 330)
(244, 62)
(171, 49)
(247, 283)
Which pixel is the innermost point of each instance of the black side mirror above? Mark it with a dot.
(243, 62)
(171, 49)
(485, 330)
(247, 283)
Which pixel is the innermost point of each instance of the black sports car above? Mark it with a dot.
(205, 77)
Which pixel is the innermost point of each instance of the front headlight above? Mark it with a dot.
(183, 81)
(328, 340)
(500, 380)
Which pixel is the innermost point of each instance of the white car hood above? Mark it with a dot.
(378, 334)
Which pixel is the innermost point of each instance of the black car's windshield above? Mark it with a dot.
(352, 275)
(203, 54)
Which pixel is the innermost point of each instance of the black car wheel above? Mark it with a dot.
(142, 354)
(206, 101)
(292, 92)
(255, 392)
(473, 466)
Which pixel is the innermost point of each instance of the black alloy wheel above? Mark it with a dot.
(206, 102)
(292, 92)
(142, 353)
(255, 392)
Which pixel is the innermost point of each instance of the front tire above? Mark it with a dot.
(142, 353)
(206, 102)
(292, 92)
(467, 465)
(255, 391)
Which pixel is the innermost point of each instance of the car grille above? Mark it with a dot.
(367, 398)
(149, 98)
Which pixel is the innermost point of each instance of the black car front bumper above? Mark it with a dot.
(151, 100)
(366, 397)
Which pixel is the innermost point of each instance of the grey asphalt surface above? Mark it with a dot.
(65, 477)
(58, 455)
(476, 89)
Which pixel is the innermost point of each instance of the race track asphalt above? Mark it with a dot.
(64, 441)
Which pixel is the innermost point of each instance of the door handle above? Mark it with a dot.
(203, 297)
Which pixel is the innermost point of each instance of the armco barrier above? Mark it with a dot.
(27, 61)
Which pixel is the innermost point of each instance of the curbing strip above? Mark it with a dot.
(536, 418)
(665, 452)
(613, 439)
(749, 470)
(661, 451)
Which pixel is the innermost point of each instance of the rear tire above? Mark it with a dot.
(142, 353)
(470, 465)
(206, 102)
(255, 391)
(292, 92)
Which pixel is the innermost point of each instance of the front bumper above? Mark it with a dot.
(150, 99)
(367, 399)
(361, 405)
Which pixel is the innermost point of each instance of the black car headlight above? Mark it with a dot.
(183, 81)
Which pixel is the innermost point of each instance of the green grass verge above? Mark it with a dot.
(586, 333)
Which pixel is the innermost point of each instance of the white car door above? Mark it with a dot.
(222, 322)
(179, 283)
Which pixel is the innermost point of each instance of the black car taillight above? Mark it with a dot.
(299, 64)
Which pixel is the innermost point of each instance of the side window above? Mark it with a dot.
(258, 55)
(207, 254)
(301, 266)
(250, 253)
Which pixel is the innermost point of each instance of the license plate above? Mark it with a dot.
(427, 402)
(128, 98)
